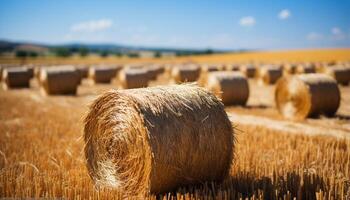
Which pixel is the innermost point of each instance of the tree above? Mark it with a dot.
(62, 52)
(157, 54)
(21, 54)
(33, 54)
(104, 54)
(133, 55)
(83, 51)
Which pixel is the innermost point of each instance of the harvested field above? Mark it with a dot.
(42, 148)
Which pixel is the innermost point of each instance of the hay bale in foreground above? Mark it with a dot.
(153, 140)
(103, 74)
(307, 95)
(15, 77)
(340, 73)
(269, 74)
(186, 73)
(134, 78)
(248, 70)
(60, 80)
(231, 87)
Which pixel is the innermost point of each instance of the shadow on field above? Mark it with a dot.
(342, 117)
(260, 106)
(246, 185)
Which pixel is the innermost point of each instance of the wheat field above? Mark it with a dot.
(41, 145)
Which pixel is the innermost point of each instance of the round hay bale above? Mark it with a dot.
(153, 140)
(307, 95)
(134, 78)
(269, 74)
(154, 71)
(60, 80)
(248, 70)
(289, 69)
(305, 69)
(340, 73)
(232, 67)
(16, 77)
(103, 74)
(231, 87)
(186, 73)
(83, 71)
(211, 68)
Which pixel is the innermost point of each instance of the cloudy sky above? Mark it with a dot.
(222, 24)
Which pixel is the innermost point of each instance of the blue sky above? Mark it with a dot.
(222, 24)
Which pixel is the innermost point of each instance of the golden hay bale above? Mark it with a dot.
(103, 74)
(186, 73)
(231, 87)
(153, 140)
(59, 80)
(340, 73)
(154, 70)
(248, 70)
(289, 69)
(307, 95)
(269, 74)
(305, 69)
(134, 78)
(83, 71)
(211, 68)
(232, 67)
(15, 77)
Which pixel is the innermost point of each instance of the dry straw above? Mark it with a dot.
(231, 87)
(307, 95)
(103, 74)
(134, 78)
(16, 77)
(306, 69)
(153, 140)
(186, 73)
(59, 80)
(269, 74)
(340, 73)
(248, 70)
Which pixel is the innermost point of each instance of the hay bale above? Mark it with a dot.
(307, 95)
(289, 69)
(186, 73)
(211, 68)
(269, 74)
(16, 77)
(248, 70)
(306, 69)
(231, 87)
(340, 73)
(134, 78)
(232, 67)
(153, 140)
(103, 74)
(59, 80)
(83, 71)
(154, 71)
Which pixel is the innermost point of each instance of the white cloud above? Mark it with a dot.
(337, 34)
(314, 36)
(284, 14)
(336, 31)
(92, 26)
(247, 21)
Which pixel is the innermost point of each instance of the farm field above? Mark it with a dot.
(41, 143)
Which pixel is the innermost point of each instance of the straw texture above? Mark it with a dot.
(153, 140)
(231, 87)
(307, 95)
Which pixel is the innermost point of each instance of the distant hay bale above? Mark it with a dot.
(289, 69)
(232, 67)
(248, 70)
(134, 78)
(154, 71)
(59, 80)
(154, 140)
(305, 69)
(185, 73)
(15, 77)
(103, 74)
(307, 95)
(231, 87)
(269, 74)
(340, 73)
(83, 71)
(211, 68)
